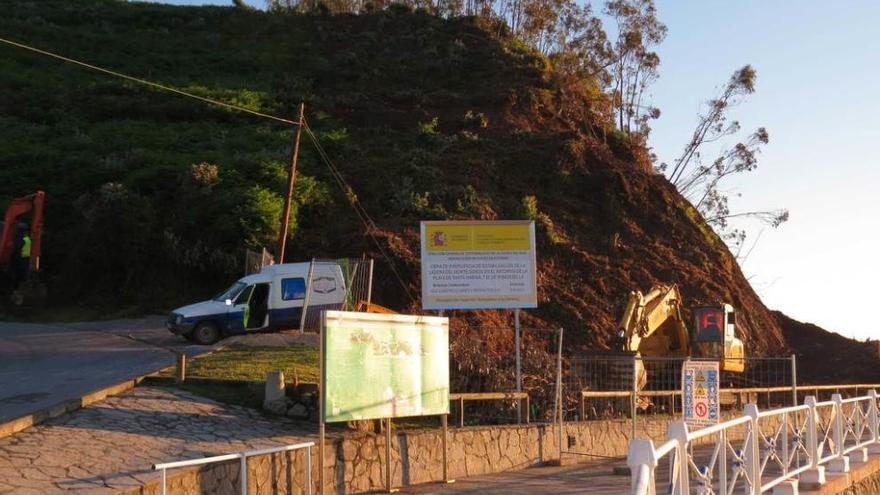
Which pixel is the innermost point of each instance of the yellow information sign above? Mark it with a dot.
(478, 265)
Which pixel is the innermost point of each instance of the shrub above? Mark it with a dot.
(529, 208)
(476, 120)
(430, 128)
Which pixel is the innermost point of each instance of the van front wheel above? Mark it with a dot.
(205, 333)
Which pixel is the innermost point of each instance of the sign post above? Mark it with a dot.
(388, 456)
(700, 393)
(406, 359)
(518, 344)
(481, 265)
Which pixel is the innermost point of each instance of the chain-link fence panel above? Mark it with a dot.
(483, 367)
(324, 293)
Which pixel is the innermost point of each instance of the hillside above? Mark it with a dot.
(426, 118)
(827, 357)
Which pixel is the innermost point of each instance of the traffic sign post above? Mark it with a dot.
(700, 393)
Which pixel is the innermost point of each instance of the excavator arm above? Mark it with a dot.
(652, 324)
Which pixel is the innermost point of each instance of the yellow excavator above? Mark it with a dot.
(653, 325)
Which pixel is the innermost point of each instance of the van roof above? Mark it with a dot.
(285, 268)
(266, 274)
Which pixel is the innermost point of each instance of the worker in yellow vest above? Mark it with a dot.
(23, 263)
(26, 250)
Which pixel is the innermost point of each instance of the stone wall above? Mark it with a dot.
(354, 462)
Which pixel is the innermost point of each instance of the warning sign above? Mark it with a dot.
(700, 394)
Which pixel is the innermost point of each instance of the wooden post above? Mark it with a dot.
(388, 456)
(559, 403)
(285, 217)
(444, 420)
(321, 435)
(518, 343)
(528, 409)
(181, 367)
(461, 411)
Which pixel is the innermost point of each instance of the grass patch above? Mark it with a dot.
(252, 363)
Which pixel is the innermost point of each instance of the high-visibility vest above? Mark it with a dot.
(26, 247)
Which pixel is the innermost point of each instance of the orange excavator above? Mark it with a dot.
(24, 281)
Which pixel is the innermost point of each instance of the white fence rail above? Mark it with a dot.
(760, 450)
(242, 457)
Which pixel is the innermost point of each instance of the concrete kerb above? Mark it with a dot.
(840, 482)
(18, 424)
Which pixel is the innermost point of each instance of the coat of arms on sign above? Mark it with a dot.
(439, 239)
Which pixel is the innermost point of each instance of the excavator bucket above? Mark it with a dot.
(367, 307)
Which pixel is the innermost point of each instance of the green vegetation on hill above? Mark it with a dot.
(153, 198)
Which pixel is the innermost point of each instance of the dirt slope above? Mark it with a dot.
(828, 357)
(426, 118)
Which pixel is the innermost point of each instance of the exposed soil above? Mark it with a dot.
(828, 357)
(605, 228)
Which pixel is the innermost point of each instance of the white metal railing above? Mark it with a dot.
(644, 460)
(759, 450)
(242, 457)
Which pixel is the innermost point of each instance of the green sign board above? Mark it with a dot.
(384, 366)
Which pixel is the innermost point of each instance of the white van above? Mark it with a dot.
(271, 299)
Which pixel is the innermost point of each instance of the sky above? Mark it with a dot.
(818, 67)
(818, 64)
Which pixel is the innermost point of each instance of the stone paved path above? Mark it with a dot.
(112, 444)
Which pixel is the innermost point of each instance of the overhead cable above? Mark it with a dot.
(149, 83)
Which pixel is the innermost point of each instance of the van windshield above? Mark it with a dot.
(231, 292)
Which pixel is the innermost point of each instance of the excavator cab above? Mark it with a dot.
(715, 337)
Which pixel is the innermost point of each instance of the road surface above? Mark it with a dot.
(43, 365)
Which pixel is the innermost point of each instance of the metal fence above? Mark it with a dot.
(759, 450)
(242, 458)
(483, 361)
(357, 275)
(646, 391)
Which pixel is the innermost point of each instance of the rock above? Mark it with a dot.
(298, 410)
(276, 406)
(274, 386)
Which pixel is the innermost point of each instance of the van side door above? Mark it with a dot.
(235, 314)
(286, 303)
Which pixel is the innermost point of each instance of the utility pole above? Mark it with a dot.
(285, 217)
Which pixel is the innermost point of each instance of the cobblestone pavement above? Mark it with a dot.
(111, 445)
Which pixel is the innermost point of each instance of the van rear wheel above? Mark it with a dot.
(205, 333)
